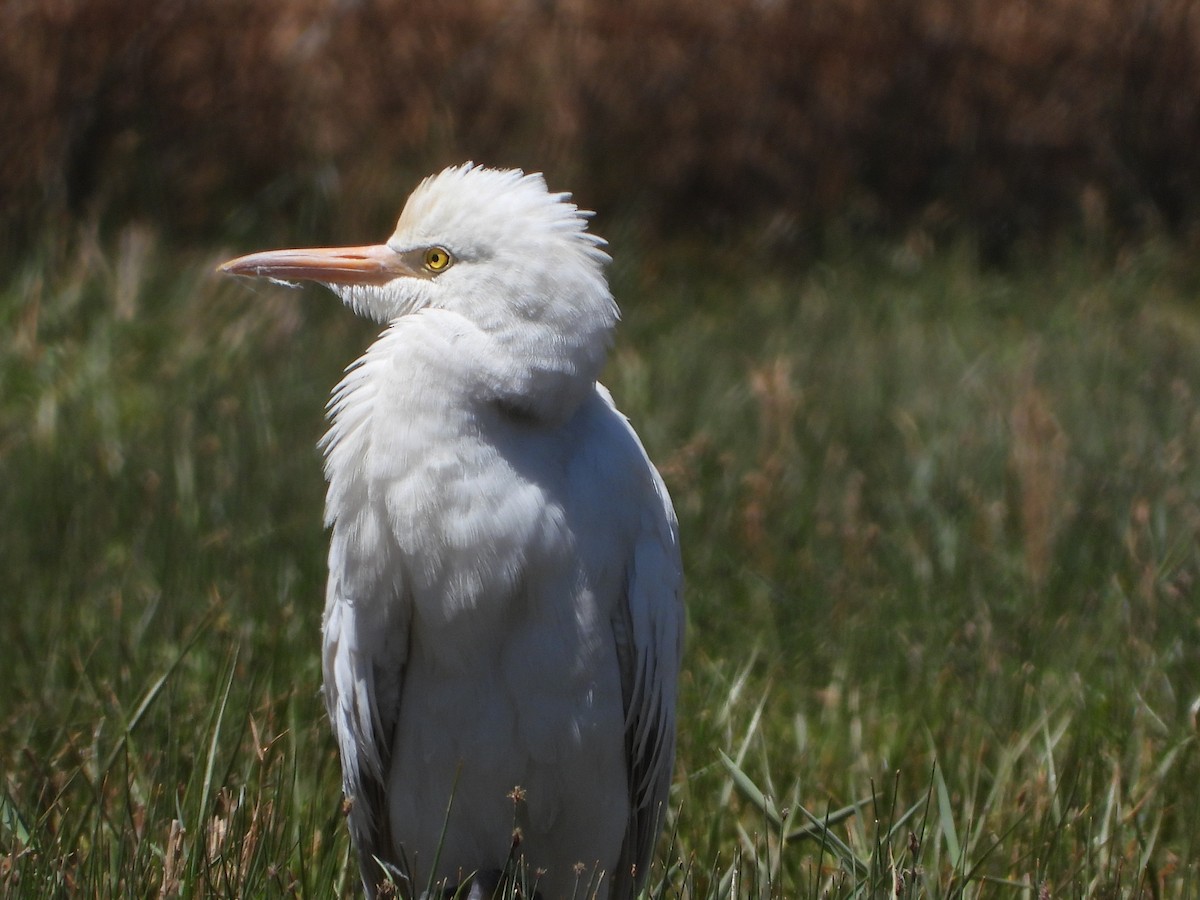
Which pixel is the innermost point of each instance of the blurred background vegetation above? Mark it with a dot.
(214, 118)
(911, 326)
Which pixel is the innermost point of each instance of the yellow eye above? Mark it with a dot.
(436, 259)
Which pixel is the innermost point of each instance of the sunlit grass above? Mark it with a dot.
(940, 529)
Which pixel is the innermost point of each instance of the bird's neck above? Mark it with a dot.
(536, 380)
(433, 380)
(543, 364)
(438, 370)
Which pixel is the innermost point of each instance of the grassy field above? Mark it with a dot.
(940, 532)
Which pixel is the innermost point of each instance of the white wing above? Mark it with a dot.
(366, 625)
(649, 634)
(648, 627)
(363, 660)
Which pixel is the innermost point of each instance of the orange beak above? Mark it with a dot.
(376, 264)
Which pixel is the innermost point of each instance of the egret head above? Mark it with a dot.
(494, 246)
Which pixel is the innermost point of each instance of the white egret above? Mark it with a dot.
(503, 618)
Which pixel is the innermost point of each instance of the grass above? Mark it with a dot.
(940, 530)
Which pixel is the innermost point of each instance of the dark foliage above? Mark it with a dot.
(1011, 118)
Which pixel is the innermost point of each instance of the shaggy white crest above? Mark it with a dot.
(503, 620)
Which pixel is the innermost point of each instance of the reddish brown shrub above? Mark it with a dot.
(1007, 116)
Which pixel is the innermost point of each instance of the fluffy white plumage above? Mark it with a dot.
(504, 599)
